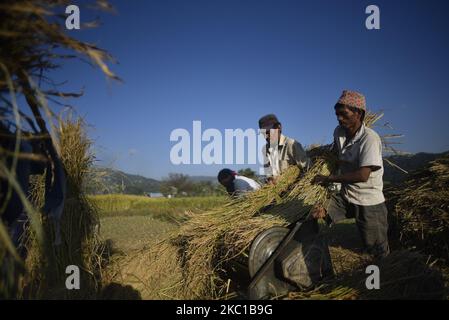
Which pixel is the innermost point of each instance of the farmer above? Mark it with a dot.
(359, 151)
(280, 151)
(235, 184)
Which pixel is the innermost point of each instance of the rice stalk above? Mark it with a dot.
(78, 225)
(420, 209)
(403, 275)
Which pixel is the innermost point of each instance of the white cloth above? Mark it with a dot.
(243, 184)
(287, 153)
(364, 150)
(273, 158)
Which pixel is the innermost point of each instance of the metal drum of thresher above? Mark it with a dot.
(302, 263)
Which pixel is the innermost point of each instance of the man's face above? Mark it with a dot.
(226, 181)
(346, 117)
(271, 131)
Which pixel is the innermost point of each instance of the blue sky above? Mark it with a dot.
(226, 63)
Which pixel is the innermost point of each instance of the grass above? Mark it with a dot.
(133, 232)
(133, 225)
(172, 210)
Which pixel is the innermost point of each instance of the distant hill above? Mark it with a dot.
(106, 180)
(408, 163)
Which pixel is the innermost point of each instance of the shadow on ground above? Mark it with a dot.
(344, 235)
(117, 291)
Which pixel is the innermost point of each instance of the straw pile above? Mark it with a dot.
(403, 275)
(152, 273)
(420, 208)
(79, 222)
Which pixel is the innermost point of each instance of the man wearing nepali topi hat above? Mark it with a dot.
(360, 173)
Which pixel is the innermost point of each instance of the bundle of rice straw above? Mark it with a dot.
(420, 208)
(209, 239)
(151, 271)
(79, 241)
(403, 275)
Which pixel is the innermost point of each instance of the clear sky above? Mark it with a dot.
(226, 63)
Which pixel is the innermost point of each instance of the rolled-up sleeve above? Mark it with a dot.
(371, 152)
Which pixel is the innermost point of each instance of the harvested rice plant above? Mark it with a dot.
(420, 210)
(73, 240)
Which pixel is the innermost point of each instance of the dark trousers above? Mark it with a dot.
(371, 222)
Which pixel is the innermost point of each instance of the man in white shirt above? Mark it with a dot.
(281, 151)
(359, 152)
(235, 184)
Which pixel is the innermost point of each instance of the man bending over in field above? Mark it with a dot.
(235, 184)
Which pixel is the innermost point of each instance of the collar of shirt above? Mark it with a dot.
(356, 137)
(282, 142)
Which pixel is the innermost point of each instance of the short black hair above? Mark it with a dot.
(224, 173)
(269, 117)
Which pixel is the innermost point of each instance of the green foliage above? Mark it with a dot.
(159, 208)
(247, 173)
(179, 185)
